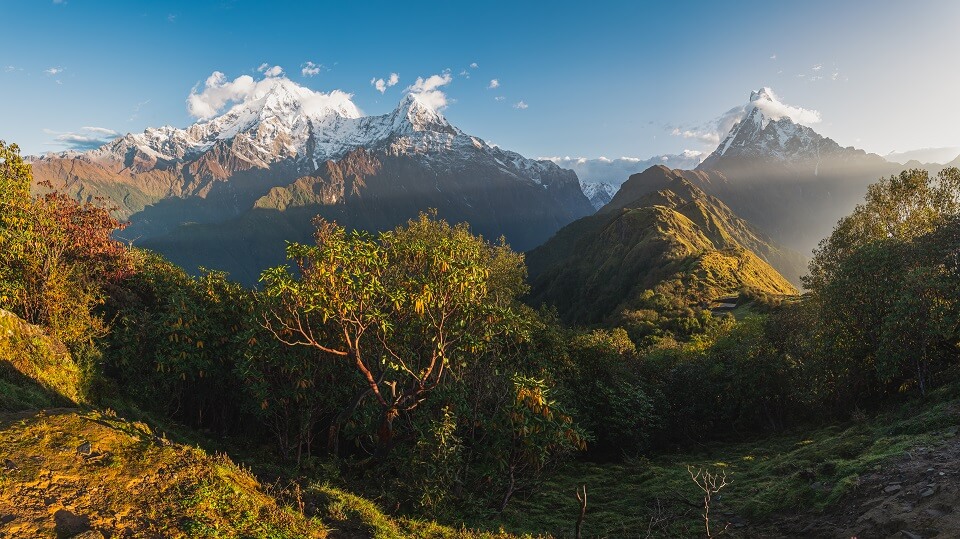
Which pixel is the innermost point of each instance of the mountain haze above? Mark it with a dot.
(660, 232)
(784, 177)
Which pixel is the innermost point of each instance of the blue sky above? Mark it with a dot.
(597, 78)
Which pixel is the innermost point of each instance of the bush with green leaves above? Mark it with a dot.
(176, 339)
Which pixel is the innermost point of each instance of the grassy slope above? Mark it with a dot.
(597, 266)
(66, 469)
(795, 473)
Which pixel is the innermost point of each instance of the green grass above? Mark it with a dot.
(796, 472)
(41, 367)
(349, 515)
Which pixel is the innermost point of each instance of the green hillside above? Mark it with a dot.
(669, 238)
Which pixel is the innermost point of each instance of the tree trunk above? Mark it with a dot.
(385, 432)
(511, 487)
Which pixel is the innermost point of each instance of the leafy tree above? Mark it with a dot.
(57, 256)
(890, 312)
(408, 308)
(608, 394)
(899, 207)
(921, 328)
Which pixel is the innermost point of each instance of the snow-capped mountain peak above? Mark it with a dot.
(281, 121)
(414, 113)
(765, 93)
(766, 127)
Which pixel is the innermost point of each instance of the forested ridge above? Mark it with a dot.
(413, 368)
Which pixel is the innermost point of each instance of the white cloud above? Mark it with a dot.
(773, 56)
(101, 131)
(310, 69)
(53, 70)
(818, 67)
(270, 71)
(382, 84)
(499, 98)
(428, 89)
(87, 138)
(494, 83)
(770, 105)
(171, 18)
(704, 136)
(474, 65)
(616, 171)
(521, 105)
(218, 92)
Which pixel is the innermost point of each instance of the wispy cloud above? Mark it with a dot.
(310, 69)
(172, 17)
(474, 65)
(520, 105)
(86, 138)
(382, 84)
(136, 110)
(705, 136)
(53, 70)
(773, 56)
(817, 73)
(428, 89)
(499, 98)
(494, 83)
(270, 71)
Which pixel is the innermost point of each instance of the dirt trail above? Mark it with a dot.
(916, 496)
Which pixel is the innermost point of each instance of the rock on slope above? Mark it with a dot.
(599, 193)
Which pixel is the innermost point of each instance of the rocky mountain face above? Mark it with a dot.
(599, 193)
(215, 193)
(659, 231)
(786, 178)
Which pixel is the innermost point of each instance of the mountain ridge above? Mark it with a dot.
(289, 149)
(660, 232)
